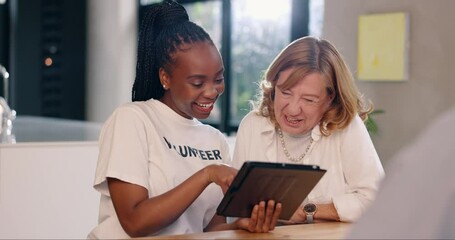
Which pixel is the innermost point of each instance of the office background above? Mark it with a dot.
(98, 63)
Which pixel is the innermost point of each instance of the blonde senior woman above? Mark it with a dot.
(309, 111)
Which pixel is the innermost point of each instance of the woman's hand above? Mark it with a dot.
(263, 217)
(220, 174)
(298, 217)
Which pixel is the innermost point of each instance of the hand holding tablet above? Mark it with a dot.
(288, 184)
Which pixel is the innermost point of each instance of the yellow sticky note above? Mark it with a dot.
(383, 43)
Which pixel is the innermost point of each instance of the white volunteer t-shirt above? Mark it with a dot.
(148, 144)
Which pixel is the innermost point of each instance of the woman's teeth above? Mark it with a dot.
(205, 105)
(293, 120)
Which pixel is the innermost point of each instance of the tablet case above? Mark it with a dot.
(287, 183)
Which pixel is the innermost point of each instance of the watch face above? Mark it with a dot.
(309, 208)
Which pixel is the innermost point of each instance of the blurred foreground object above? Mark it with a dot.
(416, 198)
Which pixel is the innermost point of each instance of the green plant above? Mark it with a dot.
(371, 124)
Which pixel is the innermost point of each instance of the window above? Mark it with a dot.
(249, 34)
(316, 17)
(260, 29)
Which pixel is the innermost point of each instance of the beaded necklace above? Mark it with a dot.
(286, 152)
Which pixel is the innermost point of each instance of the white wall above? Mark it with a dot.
(409, 106)
(111, 55)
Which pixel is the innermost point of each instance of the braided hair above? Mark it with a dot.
(164, 28)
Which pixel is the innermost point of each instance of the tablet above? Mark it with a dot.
(286, 183)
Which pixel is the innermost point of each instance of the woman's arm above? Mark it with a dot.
(325, 212)
(362, 171)
(140, 215)
(243, 140)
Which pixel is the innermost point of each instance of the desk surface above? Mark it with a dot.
(327, 230)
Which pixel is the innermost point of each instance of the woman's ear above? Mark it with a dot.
(164, 78)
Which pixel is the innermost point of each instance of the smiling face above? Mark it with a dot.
(301, 107)
(196, 80)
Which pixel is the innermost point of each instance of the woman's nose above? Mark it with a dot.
(293, 107)
(213, 91)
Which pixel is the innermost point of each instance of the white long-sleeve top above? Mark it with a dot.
(352, 163)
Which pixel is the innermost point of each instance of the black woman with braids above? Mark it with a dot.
(157, 162)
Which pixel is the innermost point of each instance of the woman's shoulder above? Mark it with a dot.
(357, 122)
(255, 122)
(355, 127)
(255, 117)
(129, 111)
(138, 107)
(129, 106)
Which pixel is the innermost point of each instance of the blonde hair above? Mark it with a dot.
(313, 55)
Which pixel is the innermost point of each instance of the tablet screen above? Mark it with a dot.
(256, 181)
